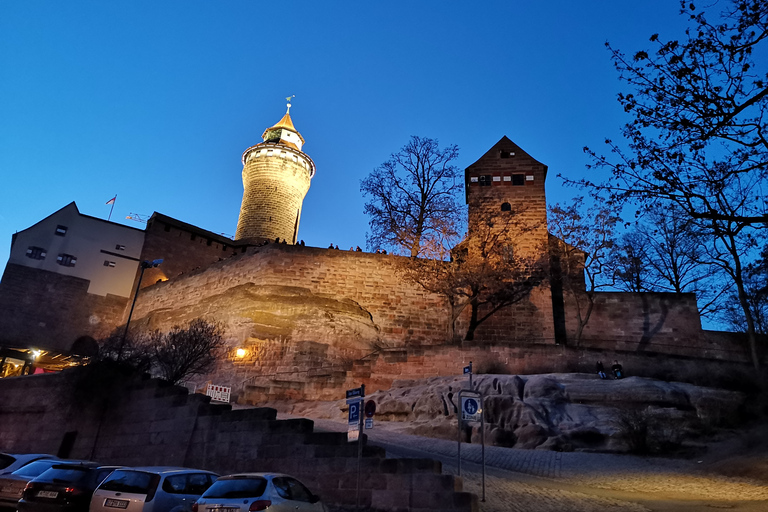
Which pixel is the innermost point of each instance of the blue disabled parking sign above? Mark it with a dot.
(470, 408)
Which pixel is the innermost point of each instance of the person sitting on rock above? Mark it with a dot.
(618, 371)
(601, 370)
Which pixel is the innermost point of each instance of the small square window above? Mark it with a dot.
(485, 181)
(473, 179)
(109, 263)
(507, 154)
(507, 178)
(36, 253)
(119, 247)
(60, 230)
(66, 260)
(518, 180)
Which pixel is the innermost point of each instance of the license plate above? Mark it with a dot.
(224, 509)
(47, 494)
(116, 503)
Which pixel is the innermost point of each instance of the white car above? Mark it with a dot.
(250, 492)
(151, 489)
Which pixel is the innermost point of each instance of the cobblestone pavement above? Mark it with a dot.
(541, 480)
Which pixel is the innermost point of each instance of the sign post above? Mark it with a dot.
(355, 399)
(468, 370)
(472, 409)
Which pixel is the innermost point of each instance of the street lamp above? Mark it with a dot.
(144, 265)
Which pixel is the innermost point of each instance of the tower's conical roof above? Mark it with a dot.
(276, 132)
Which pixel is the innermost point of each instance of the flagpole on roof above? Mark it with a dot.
(112, 202)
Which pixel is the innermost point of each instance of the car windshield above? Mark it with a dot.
(235, 488)
(6, 460)
(136, 482)
(34, 469)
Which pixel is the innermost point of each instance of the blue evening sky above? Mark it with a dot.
(155, 101)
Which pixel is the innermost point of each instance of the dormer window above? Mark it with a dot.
(66, 260)
(36, 253)
(60, 230)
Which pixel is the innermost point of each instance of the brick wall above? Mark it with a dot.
(504, 164)
(151, 423)
(182, 247)
(404, 313)
(48, 310)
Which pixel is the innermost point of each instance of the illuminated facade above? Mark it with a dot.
(276, 177)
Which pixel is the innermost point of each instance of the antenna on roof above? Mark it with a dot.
(138, 217)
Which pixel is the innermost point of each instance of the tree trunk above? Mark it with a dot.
(473, 323)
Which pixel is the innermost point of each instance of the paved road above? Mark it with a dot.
(542, 481)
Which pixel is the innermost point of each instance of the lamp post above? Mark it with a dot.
(144, 265)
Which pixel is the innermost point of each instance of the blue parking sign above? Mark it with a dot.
(354, 413)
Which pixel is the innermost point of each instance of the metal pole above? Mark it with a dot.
(459, 451)
(470, 375)
(360, 425)
(482, 439)
(128, 323)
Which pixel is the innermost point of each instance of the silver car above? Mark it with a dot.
(250, 492)
(151, 489)
(12, 485)
(10, 462)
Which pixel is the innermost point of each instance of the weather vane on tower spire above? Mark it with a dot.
(288, 99)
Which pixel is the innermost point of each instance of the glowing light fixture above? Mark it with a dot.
(36, 354)
(240, 352)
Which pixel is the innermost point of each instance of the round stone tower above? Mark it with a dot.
(276, 176)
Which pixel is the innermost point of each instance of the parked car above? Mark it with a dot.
(250, 492)
(12, 485)
(151, 489)
(65, 487)
(10, 462)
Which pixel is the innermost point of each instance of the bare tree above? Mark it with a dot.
(756, 291)
(671, 246)
(186, 351)
(485, 273)
(585, 236)
(698, 137)
(629, 260)
(414, 207)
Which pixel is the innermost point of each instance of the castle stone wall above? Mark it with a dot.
(403, 313)
(50, 311)
(148, 422)
(182, 248)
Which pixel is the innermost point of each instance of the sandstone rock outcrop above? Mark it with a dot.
(562, 411)
(290, 313)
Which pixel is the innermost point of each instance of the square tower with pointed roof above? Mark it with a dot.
(507, 216)
(506, 187)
